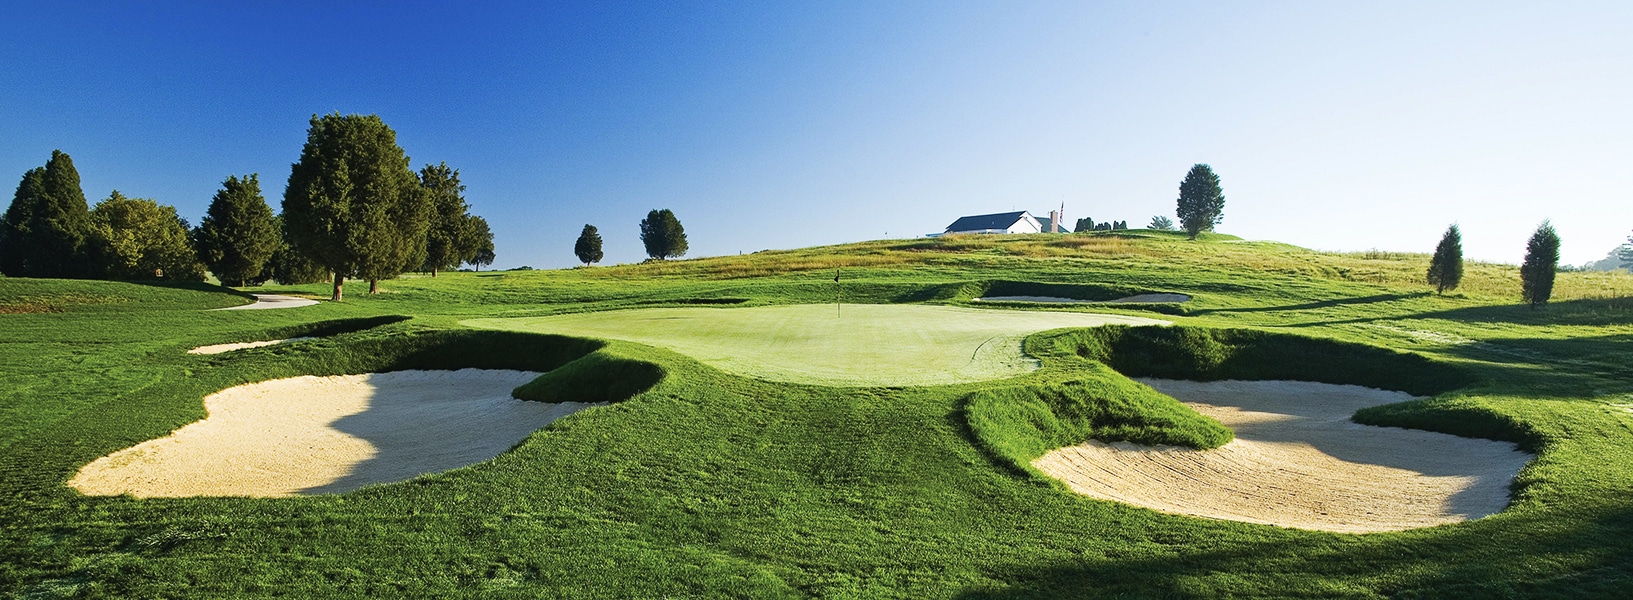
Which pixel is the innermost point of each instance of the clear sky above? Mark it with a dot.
(1340, 126)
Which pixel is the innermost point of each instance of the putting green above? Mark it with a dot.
(854, 345)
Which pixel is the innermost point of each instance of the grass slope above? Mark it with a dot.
(709, 484)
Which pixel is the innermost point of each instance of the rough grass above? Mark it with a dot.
(711, 485)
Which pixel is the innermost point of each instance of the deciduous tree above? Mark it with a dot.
(289, 267)
(588, 247)
(662, 234)
(1446, 267)
(43, 232)
(484, 243)
(1541, 261)
(238, 234)
(1083, 224)
(1201, 201)
(137, 238)
(353, 205)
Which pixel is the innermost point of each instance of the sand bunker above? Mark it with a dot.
(318, 435)
(220, 348)
(852, 345)
(266, 301)
(1298, 461)
(1135, 299)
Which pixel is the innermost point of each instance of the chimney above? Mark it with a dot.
(1054, 221)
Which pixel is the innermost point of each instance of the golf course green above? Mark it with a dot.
(702, 472)
(825, 344)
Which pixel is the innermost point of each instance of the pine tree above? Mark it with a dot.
(1161, 223)
(353, 205)
(238, 234)
(450, 239)
(588, 248)
(483, 256)
(1541, 261)
(662, 235)
(288, 267)
(43, 232)
(1626, 253)
(137, 239)
(1201, 201)
(1446, 267)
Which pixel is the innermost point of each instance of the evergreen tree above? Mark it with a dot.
(238, 234)
(588, 248)
(353, 205)
(1626, 253)
(1161, 223)
(451, 238)
(483, 256)
(1446, 267)
(43, 232)
(1201, 201)
(1084, 224)
(288, 267)
(1541, 261)
(137, 238)
(662, 234)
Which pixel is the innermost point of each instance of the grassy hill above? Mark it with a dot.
(700, 483)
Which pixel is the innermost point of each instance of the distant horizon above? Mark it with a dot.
(1335, 128)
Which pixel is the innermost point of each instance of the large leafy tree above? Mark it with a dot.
(353, 205)
(1201, 201)
(137, 238)
(662, 234)
(1541, 261)
(238, 234)
(43, 232)
(1446, 266)
(451, 237)
(588, 247)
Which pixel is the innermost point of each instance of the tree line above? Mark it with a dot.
(353, 208)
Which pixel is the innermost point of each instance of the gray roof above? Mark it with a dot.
(987, 222)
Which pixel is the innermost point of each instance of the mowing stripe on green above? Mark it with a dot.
(852, 345)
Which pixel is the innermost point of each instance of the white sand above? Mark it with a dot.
(266, 301)
(1298, 461)
(219, 348)
(316, 435)
(1135, 299)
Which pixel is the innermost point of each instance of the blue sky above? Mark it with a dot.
(1340, 126)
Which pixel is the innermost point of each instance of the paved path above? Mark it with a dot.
(264, 301)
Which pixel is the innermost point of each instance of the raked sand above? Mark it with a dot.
(315, 435)
(1298, 461)
(221, 348)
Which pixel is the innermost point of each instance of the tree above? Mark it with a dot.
(1541, 261)
(588, 248)
(1116, 225)
(1626, 254)
(137, 238)
(352, 205)
(1083, 224)
(483, 256)
(43, 232)
(450, 238)
(1201, 201)
(288, 267)
(238, 234)
(1446, 267)
(1161, 223)
(662, 234)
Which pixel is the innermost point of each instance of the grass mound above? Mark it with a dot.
(1202, 354)
(1021, 423)
(602, 376)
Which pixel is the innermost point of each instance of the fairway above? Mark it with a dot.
(852, 345)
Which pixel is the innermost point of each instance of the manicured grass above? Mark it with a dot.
(709, 484)
(850, 345)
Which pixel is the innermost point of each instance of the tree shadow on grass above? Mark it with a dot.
(1581, 554)
(1374, 299)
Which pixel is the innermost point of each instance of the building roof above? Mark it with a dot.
(992, 222)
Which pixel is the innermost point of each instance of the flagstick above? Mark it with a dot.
(837, 291)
